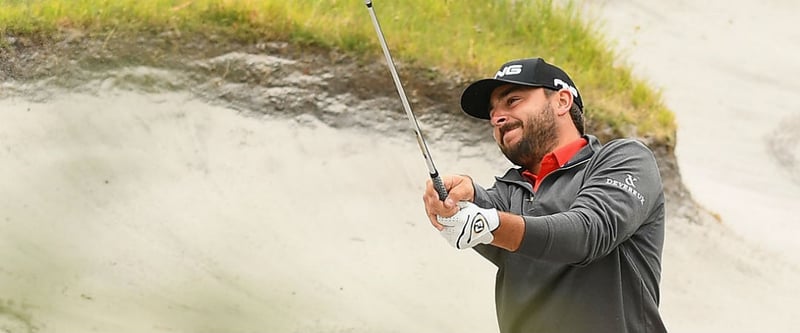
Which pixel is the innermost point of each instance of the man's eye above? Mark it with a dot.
(512, 100)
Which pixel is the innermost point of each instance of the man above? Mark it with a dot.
(576, 232)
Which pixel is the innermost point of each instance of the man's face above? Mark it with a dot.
(524, 123)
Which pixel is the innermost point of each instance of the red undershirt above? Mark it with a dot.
(554, 160)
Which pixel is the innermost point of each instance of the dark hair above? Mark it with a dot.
(575, 112)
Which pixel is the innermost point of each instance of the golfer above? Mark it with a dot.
(577, 229)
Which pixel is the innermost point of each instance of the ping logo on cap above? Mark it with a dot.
(509, 70)
(564, 85)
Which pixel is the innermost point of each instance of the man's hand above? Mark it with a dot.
(459, 188)
(470, 226)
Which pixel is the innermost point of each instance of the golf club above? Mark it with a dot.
(437, 180)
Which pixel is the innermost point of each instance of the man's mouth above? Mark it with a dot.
(507, 128)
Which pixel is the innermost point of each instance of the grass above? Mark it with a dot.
(467, 37)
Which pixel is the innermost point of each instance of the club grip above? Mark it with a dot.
(438, 184)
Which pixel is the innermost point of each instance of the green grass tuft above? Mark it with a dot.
(471, 37)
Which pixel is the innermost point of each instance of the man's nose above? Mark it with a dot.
(498, 120)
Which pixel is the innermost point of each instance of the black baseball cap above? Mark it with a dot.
(533, 72)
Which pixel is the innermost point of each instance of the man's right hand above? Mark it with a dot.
(459, 188)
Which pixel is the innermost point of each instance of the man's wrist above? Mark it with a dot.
(510, 232)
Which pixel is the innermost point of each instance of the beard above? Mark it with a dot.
(538, 138)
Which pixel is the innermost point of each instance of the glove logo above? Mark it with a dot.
(478, 224)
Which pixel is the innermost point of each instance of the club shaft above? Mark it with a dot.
(438, 184)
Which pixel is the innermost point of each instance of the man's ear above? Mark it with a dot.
(563, 102)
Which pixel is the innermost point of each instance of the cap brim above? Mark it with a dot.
(475, 99)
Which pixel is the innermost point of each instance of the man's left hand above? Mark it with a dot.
(470, 226)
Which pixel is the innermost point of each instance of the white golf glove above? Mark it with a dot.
(471, 226)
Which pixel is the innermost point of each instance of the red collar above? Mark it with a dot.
(554, 160)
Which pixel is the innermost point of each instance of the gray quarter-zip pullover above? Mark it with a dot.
(590, 259)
